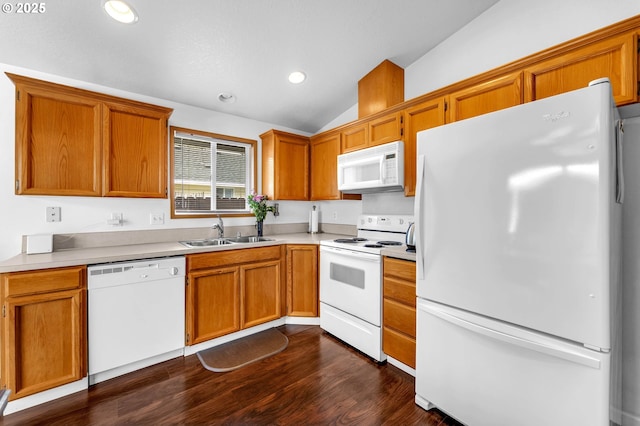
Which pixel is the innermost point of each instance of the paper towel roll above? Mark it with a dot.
(313, 221)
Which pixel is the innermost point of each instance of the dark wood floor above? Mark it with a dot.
(317, 380)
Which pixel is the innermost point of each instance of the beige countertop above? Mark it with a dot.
(399, 253)
(95, 255)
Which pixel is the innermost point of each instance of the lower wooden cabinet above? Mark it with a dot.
(399, 310)
(260, 299)
(231, 290)
(213, 303)
(43, 329)
(302, 280)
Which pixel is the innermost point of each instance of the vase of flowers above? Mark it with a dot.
(259, 207)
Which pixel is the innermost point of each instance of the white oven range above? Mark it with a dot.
(351, 282)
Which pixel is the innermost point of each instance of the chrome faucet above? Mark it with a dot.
(219, 226)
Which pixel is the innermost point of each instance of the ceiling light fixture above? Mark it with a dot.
(297, 77)
(226, 97)
(121, 11)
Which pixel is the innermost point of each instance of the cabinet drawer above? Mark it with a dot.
(231, 257)
(399, 317)
(43, 281)
(399, 346)
(400, 290)
(404, 269)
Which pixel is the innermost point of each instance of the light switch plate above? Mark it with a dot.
(156, 218)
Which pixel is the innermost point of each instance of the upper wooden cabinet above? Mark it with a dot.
(324, 166)
(44, 330)
(388, 128)
(58, 140)
(75, 142)
(355, 137)
(380, 89)
(325, 149)
(419, 117)
(614, 58)
(489, 96)
(135, 151)
(377, 131)
(285, 165)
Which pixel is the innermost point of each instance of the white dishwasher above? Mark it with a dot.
(136, 315)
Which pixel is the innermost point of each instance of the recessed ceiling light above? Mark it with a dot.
(120, 11)
(226, 97)
(297, 77)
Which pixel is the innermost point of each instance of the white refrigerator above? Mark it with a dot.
(518, 217)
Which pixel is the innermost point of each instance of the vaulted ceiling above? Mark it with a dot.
(191, 51)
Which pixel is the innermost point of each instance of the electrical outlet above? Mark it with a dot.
(156, 218)
(53, 214)
(116, 219)
(334, 215)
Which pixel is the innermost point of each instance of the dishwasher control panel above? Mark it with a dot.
(130, 272)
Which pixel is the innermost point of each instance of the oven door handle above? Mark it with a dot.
(350, 253)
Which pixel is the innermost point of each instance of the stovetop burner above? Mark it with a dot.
(374, 245)
(349, 240)
(389, 243)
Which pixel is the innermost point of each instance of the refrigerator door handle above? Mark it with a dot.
(541, 347)
(418, 211)
(619, 173)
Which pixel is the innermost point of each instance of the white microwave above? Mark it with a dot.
(376, 169)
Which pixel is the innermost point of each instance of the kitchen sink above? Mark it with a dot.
(248, 239)
(206, 243)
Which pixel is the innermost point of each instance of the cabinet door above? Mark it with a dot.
(43, 341)
(614, 58)
(386, 129)
(324, 167)
(135, 151)
(260, 293)
(292, 168)
(213, 301)
(285, 165)
(494, 95)
(355, 137)
(302, 280)
(419, 117)
(58, 142)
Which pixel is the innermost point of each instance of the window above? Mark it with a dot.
(210, 174)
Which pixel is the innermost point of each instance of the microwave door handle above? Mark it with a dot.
(383, 176)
